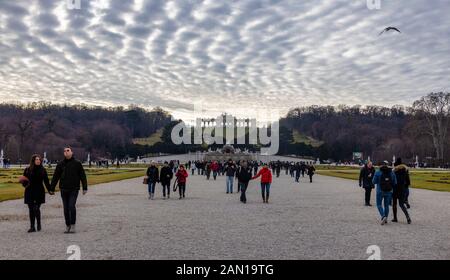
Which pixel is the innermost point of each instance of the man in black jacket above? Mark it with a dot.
(244, 175)
(165, 176)
(153, 178)
(365, 180)
(69, 172)
(230, 170)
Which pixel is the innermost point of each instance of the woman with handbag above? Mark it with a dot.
(34, 178)
(181, 176)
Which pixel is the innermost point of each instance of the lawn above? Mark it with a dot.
(10, 189)
(430, 180)
(151, 140)
(300, 138)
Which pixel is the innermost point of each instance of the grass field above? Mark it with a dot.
(300, 138)
(10, 189)
(430, 180)
(151, 140)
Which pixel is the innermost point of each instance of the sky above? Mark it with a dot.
(250, 58)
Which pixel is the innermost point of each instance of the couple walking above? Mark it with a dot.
(244, 175)
(69, 173)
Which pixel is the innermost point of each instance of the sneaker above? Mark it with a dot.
(408, 206)
(180, 197)
(72, 229)
(409, 221)
(39, 227)
(67, 229)
(149, 196)
(384, 221)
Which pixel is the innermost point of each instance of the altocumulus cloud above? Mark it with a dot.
(229, 55)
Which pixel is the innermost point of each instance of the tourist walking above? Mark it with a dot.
(385, 180)
(181, 181)
(230, 170)
(165, 177)
(399, 193)
(153, 178)
(266, 181)
(244, 175)
(365, 181)
(69, 173)
(310, 171)
(35, 179)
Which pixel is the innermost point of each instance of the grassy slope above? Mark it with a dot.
(299, 138)
(151, 140)
(9, 189)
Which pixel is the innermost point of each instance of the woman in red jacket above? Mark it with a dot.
(181, 177)
(266, 180)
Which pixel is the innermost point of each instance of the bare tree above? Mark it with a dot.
(24, 127)
(435, 108)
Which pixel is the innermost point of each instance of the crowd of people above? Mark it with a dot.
(391, 184)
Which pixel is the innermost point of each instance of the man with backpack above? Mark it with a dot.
(385, 180)
(399, 194)
(365, 180)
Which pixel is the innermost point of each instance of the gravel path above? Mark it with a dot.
(323, 220)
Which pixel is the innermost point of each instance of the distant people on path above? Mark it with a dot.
(385, 180)
(266, 181)
(181, 181)
(69, 173)
(193, 167)
(399, 193)
(230, 170)
(297, 170)
(215, 169)
(310, 171)
(153, 178)
(165, 177)
(244, 175)
(36, 178)
(365, 181)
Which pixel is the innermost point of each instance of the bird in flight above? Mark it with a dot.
(387, 29)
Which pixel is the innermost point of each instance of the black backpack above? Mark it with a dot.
(386, 181)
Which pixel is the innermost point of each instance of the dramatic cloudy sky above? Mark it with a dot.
(234, 56)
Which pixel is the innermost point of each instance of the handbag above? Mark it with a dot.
(175, 185)
(145, 182)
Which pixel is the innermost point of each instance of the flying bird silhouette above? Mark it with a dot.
(387, 29)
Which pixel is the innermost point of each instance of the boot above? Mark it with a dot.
(267, 198)
(38, 219)
(408, 219)
(32, 220)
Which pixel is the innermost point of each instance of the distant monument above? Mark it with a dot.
(228, 152)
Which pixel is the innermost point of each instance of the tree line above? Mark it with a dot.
(102, 132)
(377, 131)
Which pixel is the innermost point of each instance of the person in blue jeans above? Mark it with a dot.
(153, 178)
(230, 170)
(384, 180)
